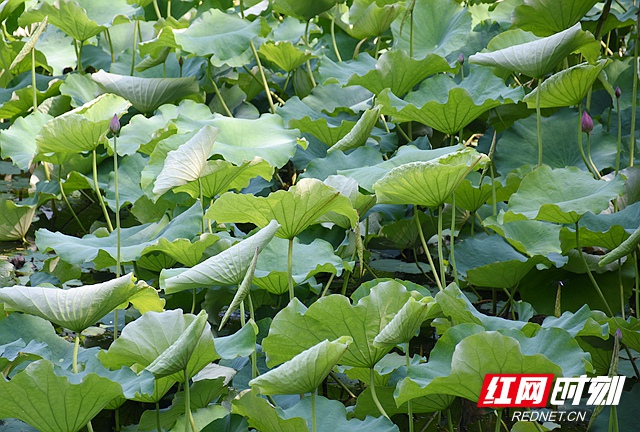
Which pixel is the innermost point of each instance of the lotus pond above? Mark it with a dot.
(329, 216)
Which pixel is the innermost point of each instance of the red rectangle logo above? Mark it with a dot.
(515, 390)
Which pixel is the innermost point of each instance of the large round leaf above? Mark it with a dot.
(546, 17)
(562, 195)
(429, 183)
(369, 18)
(296, 209)
(447, 106)
(74, 308)
(301, 9)
(305, 372)
(68, 16)
(536, 57)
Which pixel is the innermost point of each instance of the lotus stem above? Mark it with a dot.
(314, 421)
(450, 420)
(453, 238)
(411, 32)
(117, 196)
(243, 320)
(66, 200)
(498, 419)
(254, 354)
(426, 248)
(76, 348)
(136, 28)
(306, 42)
(158, 423)
(188, 417)
(613, 419)
(586, 266)
(637, 278)
(168, 8)
(621, 288)
(374, 395)
(290, 269)
(272, 108)
(582, 154)
(593, 166)
(202, 205)
(34, 90)
(539, 122)
(157, 9)
(193, 300)
(333, 36)
(409, 404)
(634, 93)
(619, 143)
(241, 4)
(78, 51)
(377, 49)
(217, 91)
(108, 37)
(440, 246)
(328, 284)
(97, 190)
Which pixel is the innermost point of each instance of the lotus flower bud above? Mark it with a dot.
(180, 61)
(618, 92)
(587, 122)
(114, 125)
(619, 334)
(461, 58)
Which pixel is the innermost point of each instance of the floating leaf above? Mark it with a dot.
(567, 87)
(227, 268)
(441, 27)
(305, 372)
(187, 163)
(73, 308)
(77, 400)
(538, 56)
(562, 195)
(429, 183)
(295, 209)
(447, 106)
(147, 94)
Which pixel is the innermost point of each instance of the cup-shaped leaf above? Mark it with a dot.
(404, 326)
(562, 195)
(295, 209)
(538, 56)
(187, 163)
(229, 267)
(567, 87)
(55, 402)
(79, 130)
(144, 340)
(447, 106)
(428, 183)
(176, 357)
(306, 371)
(147, 94)
(74, 308)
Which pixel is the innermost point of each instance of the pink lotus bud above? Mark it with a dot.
(114, 125)
(180, 61)
(461, 58)
(618, 92)
(619, 334)
(587, 122)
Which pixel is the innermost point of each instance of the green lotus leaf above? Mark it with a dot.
(340, 72)
(79, 130)
(365, 407)
(74, 308)
(504, 267)
(323, 167)
(20, 98)
(358, 136)
(428, 183)
(567, 87)
(327, 113)
(175, 358)
(398, 72)
(441, 27)
(538, 56)
(68, 16)
(110, 13)
(220, 34)
(187, 163)
(220, 176)
(295, 210)
(147, 94)
(308, 260)
(129, 171)
(403, 234)
(147, 338)
(226, 268)
(58, 49)
(529, 237)
(302, 10)
(296, 328)
(29, 44)
(144, 133)
(447, 106)
(465, 353)
(404, 326)
(102, 250)
(77, 401)
(367, 176)
(545, 18)
(580, 323)
(80, 88)
(305, 372)
(331, 416)
(369, 18)
(562, 195)
(603, 230)
(283, 54)
(626, 248)
(182, 250)
(243, 290)
(518, 145)
(15, 220)
(471, 196)
(240, 344)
